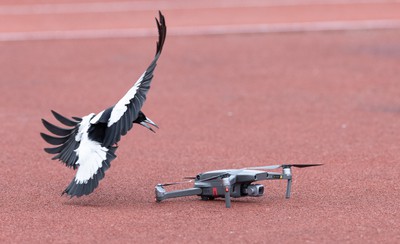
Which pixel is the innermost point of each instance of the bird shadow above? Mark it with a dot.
(105, 201)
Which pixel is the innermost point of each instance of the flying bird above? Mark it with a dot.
(88, 144)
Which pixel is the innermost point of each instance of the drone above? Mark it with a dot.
(229, 183)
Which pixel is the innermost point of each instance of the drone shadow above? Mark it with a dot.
(129, 199)
(219, 202)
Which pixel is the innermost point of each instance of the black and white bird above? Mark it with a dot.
(89, 143)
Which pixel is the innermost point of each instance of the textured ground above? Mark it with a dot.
(222, 101)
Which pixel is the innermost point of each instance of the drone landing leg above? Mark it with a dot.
(288, 188)
(227, 183)
(227, 197)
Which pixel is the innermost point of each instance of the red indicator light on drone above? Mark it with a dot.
(215, 193)
(226, 189)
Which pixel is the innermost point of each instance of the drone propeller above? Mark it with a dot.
(265, 167)
(284, 166)
(301, 165)
(189, 177)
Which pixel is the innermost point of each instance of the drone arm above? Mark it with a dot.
(162, 194)
(272, 176)
(286, 175)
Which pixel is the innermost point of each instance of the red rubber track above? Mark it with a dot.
(224, 101)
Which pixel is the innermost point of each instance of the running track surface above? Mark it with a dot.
(222, 101)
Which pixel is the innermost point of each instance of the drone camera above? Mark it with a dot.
(256, 190)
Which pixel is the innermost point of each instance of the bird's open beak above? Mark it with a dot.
(146, 123)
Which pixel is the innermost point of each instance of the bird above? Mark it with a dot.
(88, 144)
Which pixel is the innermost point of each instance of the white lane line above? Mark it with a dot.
(203, 30)
(124, 6)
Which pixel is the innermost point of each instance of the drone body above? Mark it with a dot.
(231, 183)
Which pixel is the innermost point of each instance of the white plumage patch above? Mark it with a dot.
(83, 127)
(120, 108)
(90, 153)
(96, 118)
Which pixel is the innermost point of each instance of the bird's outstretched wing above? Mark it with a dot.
(66, 140)
(93, 161)
(91, 170)
(119, 118)
(78, 151)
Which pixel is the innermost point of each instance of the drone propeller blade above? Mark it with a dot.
(176, 183)
(189, 177)
(266, 167)
(284, 166)
(302, 165)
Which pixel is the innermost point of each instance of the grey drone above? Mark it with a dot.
(229, 183)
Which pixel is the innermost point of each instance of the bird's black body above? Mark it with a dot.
(89, 143)
(98, 132)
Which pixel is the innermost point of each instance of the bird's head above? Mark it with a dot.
(144, 121)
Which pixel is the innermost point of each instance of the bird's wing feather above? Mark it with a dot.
(77, 150)
(91, 170)
(64, 138)
(119, 118)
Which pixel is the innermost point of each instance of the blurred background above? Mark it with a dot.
(45, 19)
(240, 83)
